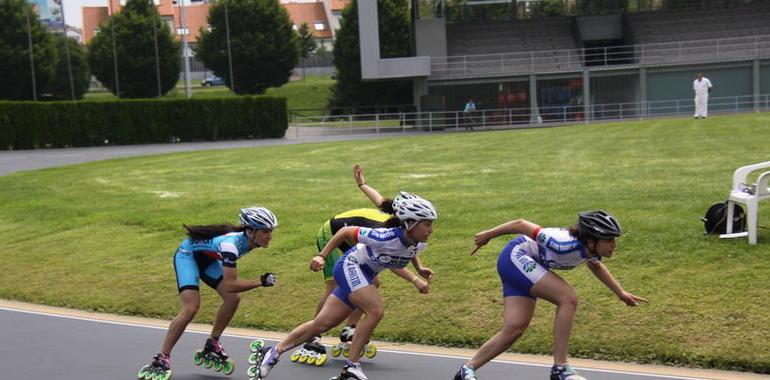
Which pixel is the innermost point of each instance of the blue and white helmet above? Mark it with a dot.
(258, 218)
(413, 207)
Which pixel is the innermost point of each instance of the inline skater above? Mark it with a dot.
(392, 247)
(525, 265)
(210, 253)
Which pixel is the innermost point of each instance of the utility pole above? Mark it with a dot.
(183, 27)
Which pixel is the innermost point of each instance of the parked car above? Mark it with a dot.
(212, 81)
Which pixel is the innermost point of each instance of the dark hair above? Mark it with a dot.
(387, 206)
(574, 232)
(212, 230)
(391, 223)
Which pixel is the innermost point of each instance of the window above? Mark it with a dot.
(319, 25)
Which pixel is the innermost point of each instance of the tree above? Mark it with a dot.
(350, 90)
(262, 45)
(15, 65)
(306, 44)
(135, 45)
(81, 75)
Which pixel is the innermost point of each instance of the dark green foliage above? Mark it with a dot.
(81, 75)
(27, 125)
(14, 51)
(262, 43)
(306, 42)
(394, 42)
(135, 45)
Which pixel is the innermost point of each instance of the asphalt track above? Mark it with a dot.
(47, 346)
(43, 345)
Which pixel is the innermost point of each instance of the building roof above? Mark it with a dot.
(312, 14)
(338, 5)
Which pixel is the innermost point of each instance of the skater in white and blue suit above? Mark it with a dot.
(210, 253)
(525, 267)
(375, 250)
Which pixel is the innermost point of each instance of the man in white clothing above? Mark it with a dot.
(702, 87)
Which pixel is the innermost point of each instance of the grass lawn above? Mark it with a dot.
(100, 236)
(312, 93)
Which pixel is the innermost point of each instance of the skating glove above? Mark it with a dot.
(268, 279)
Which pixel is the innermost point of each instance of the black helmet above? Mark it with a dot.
(598, 224)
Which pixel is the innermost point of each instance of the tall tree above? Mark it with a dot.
(262, 44)
(81, 75)
(135, 45)
(18, 25)
(306, 44)
(350, 90)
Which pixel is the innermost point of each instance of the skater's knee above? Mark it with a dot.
(233, 298)
(568, 300)
(514, 330)
(375, 313)
(189, 310)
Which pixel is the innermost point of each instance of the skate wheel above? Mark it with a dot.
(198, 357)
(345, 352)
(321, 360)
(302, 358)
(208, 363)
(256, 345)
(336, 351)
(311, 360)
(253, 358)
(252, 371)
(166, 375)
(228, 367)
(295, 356)
(143, 372)
(370, 351)
(218, 365)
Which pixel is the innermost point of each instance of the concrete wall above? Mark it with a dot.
(677, 84)
(431, 38)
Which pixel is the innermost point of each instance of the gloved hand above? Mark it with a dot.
(268, 279)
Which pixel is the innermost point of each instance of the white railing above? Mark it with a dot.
(511, 118)
(547, 61)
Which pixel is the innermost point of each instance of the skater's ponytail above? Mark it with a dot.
(387, 206)
(212, 230)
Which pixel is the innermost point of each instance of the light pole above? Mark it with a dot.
(184, 33)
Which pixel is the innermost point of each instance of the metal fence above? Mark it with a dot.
(627, 56)
(511, 118)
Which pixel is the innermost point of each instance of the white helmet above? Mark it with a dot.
(412, 207)
(258, 218)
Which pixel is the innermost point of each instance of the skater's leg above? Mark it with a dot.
(517, 314)
(333, 312)
(230, 302)
(369, 300)
(355, 316)
(557, 291)
(191, 302)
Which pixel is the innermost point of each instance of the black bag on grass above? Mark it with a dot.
(715, 220)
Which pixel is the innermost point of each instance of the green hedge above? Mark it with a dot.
(29, 125)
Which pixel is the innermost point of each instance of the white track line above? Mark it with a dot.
(129, 324)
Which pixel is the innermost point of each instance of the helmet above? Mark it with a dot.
(598, 224)
(258, 218)
(412, 207)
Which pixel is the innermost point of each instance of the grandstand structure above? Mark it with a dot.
(578, 66)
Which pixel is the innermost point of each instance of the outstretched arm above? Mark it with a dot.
(370, 192)
(518, 226)
(424, 271)
(418, 283)
(603, 274)
(232, 284)
(344, 234)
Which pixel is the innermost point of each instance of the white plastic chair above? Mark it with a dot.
(749, 194)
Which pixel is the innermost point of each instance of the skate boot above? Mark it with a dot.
(214, 356)
(564, 372)
(350, 371)
(266, 358)
(316, 351)
(159, 369)
(465, 373)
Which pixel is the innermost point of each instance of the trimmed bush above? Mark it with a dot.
(30, 125)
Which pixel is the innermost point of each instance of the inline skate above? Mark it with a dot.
(311, 353)
(213, 356)
(350, 371)
(465, 373)
(261, 360)
(159, 369)
(343, 347)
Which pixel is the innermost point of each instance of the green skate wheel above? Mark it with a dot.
(143, 372)
(336, 351)
(253, 358)
(165, 375)
(252, 371)
(218, 365)
(321, 360)
(208, 363)
(370, 351)
(198, 357)
(256, 345)
(228, 367)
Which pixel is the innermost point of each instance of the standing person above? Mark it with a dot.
(701, 86)
(470, 107)
(363, 217)
(210, 253)
(525, 265)
(375, 250)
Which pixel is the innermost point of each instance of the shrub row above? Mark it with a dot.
(30, 125)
